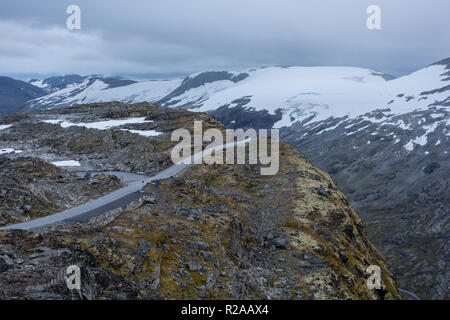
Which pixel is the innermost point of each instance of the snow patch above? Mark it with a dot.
(145, 133)
(421, 141)
(9, 150)
(101, 125)
(409, 146)
(39, 83)
(5, 126)
(330, 128)
(353, 132)
(66, 163)
(403, 125)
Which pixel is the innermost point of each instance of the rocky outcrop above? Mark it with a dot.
(100, 150)
(32, 188)
(215, 231)
(219, 231)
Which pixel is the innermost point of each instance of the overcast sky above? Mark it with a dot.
(166, 37)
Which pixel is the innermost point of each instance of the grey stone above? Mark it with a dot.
(199, 245)
(194, 266)
(3, 265)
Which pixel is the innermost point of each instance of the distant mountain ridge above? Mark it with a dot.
(57, 83)
(14, 93)
(287, 94)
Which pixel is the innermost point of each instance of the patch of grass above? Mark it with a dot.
(291, 223)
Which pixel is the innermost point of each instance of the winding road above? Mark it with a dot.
(116, 199)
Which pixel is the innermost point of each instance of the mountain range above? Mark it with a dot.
(299, 93)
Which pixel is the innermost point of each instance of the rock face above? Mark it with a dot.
(395, 171)
(221, 231)
(31, 188)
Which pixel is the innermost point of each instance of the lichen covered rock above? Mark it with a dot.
(215, 232)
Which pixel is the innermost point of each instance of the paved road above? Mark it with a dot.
(113, 200)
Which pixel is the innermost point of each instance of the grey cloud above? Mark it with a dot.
(188, 36)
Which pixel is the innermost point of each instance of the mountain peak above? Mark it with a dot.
(445, 62)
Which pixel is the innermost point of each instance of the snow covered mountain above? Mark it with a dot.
(58, 82)
(75, 82)
(289, 93)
